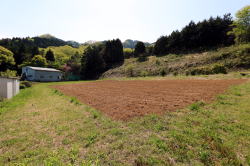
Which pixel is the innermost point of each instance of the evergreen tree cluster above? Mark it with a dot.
(207, 34)
(23, 49)
(139, 49)
(44, 42)
(112, 52)
(99, 58)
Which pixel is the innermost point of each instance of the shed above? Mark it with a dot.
(9, 87)
(41, 74)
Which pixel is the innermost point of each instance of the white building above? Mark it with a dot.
(9, 87)
(41, 74)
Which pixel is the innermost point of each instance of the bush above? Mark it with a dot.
(175, 73)
(216, 69)
(163, 72)
(144, 74)
(142, 58)
(244, 58)
(157, 62)
(219, 69)
(200, 71)
(22, 86)
(25, 84)
(129, 70)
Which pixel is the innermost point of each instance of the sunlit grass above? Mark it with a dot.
(41, 126)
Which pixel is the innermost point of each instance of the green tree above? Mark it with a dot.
(34, 51)
(21, 55)
(74, 63)
(8, 73)
(201, 36)
(241, 25)
(140, 49)
(6, 59)
(50, 56)
(112, 52)
(39, 61)
(92, 63)
(128, 53)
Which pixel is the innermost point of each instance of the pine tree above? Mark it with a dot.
(50, 56)
(139, 49)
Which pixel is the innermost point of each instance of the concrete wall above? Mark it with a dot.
(9, 87)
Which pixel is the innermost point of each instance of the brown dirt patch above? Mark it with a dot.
(122, 100)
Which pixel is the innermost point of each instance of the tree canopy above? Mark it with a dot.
(50, 56)
(241, 25)
(6, 59)
(112, 52)
(92, 62)
(38, 61)
(211, 33)
(139, 49)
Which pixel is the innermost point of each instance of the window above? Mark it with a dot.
(41, 76)
(50, 76)
(30, 76)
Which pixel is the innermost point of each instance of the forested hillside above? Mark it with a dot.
(202, 40)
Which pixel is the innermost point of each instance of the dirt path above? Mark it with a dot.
(123, 100)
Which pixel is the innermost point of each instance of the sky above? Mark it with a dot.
(84, 20)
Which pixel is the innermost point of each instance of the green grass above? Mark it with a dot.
(41, 126)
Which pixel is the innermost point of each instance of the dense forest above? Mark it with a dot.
(93, 59)
(204, 35)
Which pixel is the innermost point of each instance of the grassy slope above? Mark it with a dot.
(233, 58)
(42, 126)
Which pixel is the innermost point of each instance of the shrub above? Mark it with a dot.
(157, 62)
(163, 72)
(175, 73)
(22, 86)
(129, 70)
(200, 71)
(25, 84)
(144, 74)
(219, 69)
(142, 58)
(244, 58)
(216, 69)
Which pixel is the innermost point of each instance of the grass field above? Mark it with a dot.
(41, 126)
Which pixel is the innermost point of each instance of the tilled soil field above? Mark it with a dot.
(123, 100)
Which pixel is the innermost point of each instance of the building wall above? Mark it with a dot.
(47, 76)
(9, 87)
(3, 87)
(10, 91)
(41, 76)
(30, 73)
